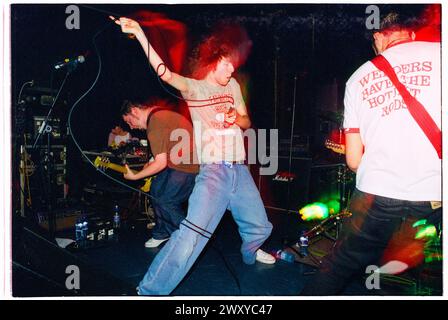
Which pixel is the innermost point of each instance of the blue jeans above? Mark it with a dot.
(170, 189)
(365, 236)
(218, 187)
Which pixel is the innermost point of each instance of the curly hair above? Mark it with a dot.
(227, 41)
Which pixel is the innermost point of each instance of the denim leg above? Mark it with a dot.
(207, 205)
(171, 190)
(249, 213)
(159, 231)
(179, 188)
(363, 239)
(156, 191)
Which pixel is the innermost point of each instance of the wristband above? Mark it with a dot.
(158, 67)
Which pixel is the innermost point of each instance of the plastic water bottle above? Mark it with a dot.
(78, 230)
(116, 223)
(285, 256)
(303, 244)
(85, 229)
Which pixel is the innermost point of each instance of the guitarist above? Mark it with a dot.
(173, 162)
(398, 169)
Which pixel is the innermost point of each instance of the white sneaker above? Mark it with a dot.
(264, 257)
(154, 243)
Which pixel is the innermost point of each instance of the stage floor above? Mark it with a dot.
(118, 267)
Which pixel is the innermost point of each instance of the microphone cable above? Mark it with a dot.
(69, 125)
(69, 121)
(75, 141)
(156, 70)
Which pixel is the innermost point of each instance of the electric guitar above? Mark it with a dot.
(104, 163)
(336, 147)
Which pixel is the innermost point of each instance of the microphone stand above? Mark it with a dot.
(291, 144)
(47, 129)
(44, 126)
(342, 181)
(342, 174)
(276, 61)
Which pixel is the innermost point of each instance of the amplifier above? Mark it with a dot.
(35, 105)
(288, 188)
(36, 165)
(53, 126)
(300, 146)
(39, 99)
(58, 156)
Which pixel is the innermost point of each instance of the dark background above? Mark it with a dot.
(308, 49)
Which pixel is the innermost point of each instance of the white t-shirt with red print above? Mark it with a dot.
(399, 161)
(215, 139)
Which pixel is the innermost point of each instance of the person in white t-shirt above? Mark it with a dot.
(219, 114)
(118, 136)
(398, 171)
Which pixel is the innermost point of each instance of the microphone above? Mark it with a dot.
(70, 62)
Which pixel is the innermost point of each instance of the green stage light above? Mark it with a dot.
(333, 206)
(314, 211)
(427, 232)
(419, 223)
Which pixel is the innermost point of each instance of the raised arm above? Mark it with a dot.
(133, 27)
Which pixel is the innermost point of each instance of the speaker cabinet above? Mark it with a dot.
(288, 188)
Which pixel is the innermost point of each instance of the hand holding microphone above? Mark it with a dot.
(129, 26)
(230, 117)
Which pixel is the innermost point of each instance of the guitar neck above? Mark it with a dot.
(336, 147)
(99, 162)
(117, 168)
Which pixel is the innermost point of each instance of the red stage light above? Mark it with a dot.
(168, 37)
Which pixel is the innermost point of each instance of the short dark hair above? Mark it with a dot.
(395, 21)
(397, 18)
(127, 105)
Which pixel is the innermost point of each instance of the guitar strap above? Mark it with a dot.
(416, 109)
